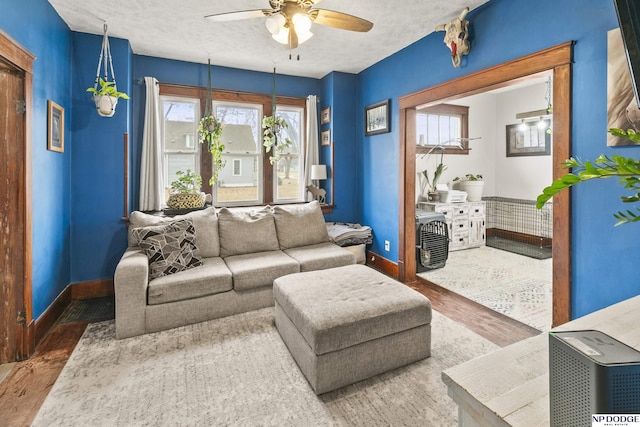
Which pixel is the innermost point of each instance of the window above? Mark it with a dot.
(247, 178)
(179, 131)
(442, 126)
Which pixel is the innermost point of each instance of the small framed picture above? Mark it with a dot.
(325, 137)
(55, 127)
(325, 116)
(529, 139)
(376, 118)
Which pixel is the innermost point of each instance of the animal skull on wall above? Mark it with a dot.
(456, 33)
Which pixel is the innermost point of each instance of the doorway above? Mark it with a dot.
(16, 65)
(556, 60)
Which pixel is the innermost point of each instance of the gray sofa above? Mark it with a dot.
(235, 255)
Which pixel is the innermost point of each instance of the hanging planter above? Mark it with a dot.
(273, 126)
(106, 96)
(210, 132)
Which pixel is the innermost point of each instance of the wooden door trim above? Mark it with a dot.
(556, 59)
(13, 52)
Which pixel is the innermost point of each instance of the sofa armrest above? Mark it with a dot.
(130, 283)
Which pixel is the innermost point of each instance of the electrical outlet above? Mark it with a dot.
(387, 246)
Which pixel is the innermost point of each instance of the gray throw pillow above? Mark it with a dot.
(170, 247)
(300, 225)
(244, 232)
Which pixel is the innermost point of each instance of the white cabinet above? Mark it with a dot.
(466, 222)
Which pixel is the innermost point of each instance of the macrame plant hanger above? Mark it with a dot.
(209, 99)
(105, 104)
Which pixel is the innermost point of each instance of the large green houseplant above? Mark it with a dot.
(626, 169)
(185, 191)
(209, 133)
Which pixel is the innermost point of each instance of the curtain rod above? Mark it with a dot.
(140, 81)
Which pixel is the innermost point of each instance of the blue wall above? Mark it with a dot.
(601, 254)
(36, 25)
(98, 236)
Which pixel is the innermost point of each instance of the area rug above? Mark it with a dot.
(236, 371)
(517, 286)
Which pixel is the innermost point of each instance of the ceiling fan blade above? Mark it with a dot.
(242, 14)
(293, 37)
(340, 20)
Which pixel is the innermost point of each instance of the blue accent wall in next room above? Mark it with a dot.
(36, 26)
(99, 235)
(602, 260)
(192, 74)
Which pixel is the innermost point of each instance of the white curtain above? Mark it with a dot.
(151, 182)
(311, 156)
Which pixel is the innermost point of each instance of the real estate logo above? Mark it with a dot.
(615, 420)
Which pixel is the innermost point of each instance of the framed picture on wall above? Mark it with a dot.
(377, 118)
(325, 137)
(55, 127)
(325, 116)
(529, 139)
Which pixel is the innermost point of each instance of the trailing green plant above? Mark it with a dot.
(107, 88)
(272, 137)
(469, 177)
(626, 169)
(187, 183)
(210, 132)
(431, 184)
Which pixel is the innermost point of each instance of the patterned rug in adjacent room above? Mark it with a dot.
(515, 285)
(236, 371)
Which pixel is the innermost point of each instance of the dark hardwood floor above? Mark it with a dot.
(27, 385)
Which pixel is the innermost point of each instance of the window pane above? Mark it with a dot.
(179, 125)
(288, 186)
(433, 134)
(289, 178)
(421, 129)
(233, 188)
(174, 163)
(239, 181)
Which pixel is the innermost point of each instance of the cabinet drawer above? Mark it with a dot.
(459, 241)
(460, 211)
(459, 225)
(476, 210)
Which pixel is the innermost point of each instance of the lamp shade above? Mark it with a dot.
(318, 171)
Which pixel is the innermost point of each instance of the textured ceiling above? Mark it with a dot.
(176, 29)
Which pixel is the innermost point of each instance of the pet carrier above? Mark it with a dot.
(432, 241)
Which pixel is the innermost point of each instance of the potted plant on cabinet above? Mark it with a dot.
(430, 185)
(470, 184)
(106, 97)
(185, 192)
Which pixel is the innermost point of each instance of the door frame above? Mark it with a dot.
(557, 60)
(14, 53)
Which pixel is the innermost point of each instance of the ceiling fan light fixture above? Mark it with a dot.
(275, 23)
(301, 22)
(303, 37)
(282, 36)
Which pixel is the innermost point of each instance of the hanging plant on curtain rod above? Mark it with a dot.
(273, 127)
(210, 132)
(106, 96)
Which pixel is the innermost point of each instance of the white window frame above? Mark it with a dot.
(195, 147)
(299, 155)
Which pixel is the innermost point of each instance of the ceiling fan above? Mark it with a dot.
(289, 21)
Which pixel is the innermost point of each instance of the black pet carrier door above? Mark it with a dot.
(432, 245)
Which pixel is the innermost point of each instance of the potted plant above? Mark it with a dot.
(470, 184)
(626, 169)
(430, 185)
(272, 137)
(185, 191)
(106, 97)
(210, 132)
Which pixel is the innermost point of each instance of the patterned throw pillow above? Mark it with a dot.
(170, 248)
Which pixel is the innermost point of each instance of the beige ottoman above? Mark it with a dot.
(346, 324)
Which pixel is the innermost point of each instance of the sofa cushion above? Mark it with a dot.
(300, 225)
(170, 247)
(205, 222)
(321, 256)
(243, 232)
(251, 271)
(213, 277)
